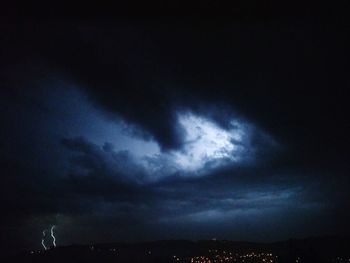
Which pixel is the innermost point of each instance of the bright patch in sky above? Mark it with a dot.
(205, 142)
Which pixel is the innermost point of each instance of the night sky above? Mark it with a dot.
(136, 129)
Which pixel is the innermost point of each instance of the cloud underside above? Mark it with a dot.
(222, 174)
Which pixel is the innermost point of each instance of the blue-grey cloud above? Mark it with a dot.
(144, 131)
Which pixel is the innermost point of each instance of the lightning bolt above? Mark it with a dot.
(42, 240)
(53, 237)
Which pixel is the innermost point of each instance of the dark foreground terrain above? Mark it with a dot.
(328, 249)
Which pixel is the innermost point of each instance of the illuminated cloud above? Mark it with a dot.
(205, 142)
(204, 146)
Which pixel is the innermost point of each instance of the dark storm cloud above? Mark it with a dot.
(290, 79)
(229, 197)
(90, 109)
(249, 184)
(93, 170)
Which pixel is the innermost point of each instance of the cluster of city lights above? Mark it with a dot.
(341, 260)
(215, 256)
(212, 256)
